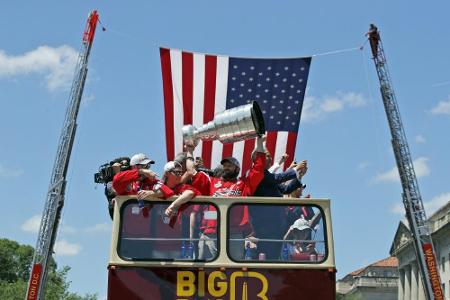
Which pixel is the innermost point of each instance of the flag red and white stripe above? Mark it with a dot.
(195, 89)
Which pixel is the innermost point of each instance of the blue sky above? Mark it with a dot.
(343, 132)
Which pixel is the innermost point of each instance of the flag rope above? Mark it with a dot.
(126, 35)
(338, 51)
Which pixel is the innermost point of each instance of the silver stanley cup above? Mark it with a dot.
(232, 125)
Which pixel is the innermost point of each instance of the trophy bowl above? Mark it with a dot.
(232, 125)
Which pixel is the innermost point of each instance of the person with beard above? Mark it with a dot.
(228, 185)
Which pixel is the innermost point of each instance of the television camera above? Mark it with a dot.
(107, 171)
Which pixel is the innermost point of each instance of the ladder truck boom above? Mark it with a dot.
(55, 195)
(412, 200)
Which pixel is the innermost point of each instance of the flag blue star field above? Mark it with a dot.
(198, 86)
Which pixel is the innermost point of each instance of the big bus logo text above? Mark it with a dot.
(216, 284)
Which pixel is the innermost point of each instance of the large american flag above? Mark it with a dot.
(197, 86)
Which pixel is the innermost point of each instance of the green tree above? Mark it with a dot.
(15, 261)
(15, 266)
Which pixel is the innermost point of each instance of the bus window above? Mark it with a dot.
(279, 233)
(146, 233)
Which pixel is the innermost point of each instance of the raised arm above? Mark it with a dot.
(285, 176)
(276, 165)
(190, 162)
(256, 173)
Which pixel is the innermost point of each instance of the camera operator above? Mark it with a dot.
(109, 190)
(140, 180)
(105, 175)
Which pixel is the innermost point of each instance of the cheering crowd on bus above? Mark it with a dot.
(250, 227)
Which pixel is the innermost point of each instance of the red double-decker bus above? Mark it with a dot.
(279, 248)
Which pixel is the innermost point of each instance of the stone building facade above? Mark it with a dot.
(410, 280)
(376, 281)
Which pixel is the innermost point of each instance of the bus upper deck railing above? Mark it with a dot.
(143, 238)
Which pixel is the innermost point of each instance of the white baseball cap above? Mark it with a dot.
(171, 165)
(300, 224)
(140, 159)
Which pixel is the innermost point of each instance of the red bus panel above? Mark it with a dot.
(133, 283)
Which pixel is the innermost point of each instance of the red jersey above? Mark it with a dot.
(217, 187)
(128, 183)
(244, 186)
(153, 223)
(179, 189)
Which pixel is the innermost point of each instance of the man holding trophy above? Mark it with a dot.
(236, 124)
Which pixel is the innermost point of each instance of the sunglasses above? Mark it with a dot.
(146, 166)
(177, 173)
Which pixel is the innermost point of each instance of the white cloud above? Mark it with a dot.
(32, 224)
(420, 167)
(353, 99)
(68, 229)
(87, 100)
(420, 139)
(6, 173)
(99, 228)
(442, 108)
(331, 105)
(389, 176)
(65, 248)
(310, 112)
(56, 64)
(435, 203)
(431, 206)
(398, 209)
(316, 109)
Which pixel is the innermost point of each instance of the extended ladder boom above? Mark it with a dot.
(412, 199)
(55, 196)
